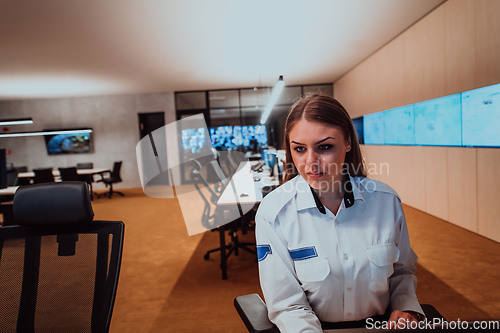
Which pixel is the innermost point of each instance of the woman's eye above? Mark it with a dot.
(299, 149)
(324, 147)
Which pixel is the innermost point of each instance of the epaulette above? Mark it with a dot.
(372, 185)
(274, 202)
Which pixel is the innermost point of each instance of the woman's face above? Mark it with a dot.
(318, 152)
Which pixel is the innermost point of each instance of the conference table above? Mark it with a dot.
(244, 191)
(81, 172)
(56, 173)
(8, 191)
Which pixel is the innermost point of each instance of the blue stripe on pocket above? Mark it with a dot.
(263, 251)
(303, 253)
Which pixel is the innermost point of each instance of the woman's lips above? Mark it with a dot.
(315, 174)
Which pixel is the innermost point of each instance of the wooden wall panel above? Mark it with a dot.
(413, 58)
(460, 53)
(390, 75)
(436, 181)
(488, 193)
(462, 187)
(343, 91)
(413, 180)
(433, 62)
(487, 46)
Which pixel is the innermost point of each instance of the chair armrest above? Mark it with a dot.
(253, 312)
(431, 312)
(101, 174)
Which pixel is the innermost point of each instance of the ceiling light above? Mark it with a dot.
(16, 121)
(12, 135)
(274, 97)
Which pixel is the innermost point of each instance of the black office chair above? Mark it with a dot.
(59, 268)
(113, 178)
(208, 221)
(69, 174)
(43, 176)
(21, 181)
(253, 312)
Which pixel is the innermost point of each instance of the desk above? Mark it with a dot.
(56, 173)
(81, 172)
(243, 182)
(11, 190)
(6, 206)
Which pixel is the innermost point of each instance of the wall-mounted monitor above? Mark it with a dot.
(438, 122)
(373, 128)
(232, 137)
(193, 140)
(481, 117)
(358, 127)
(72, 142)
(399, 126)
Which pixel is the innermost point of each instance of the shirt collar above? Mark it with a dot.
(306, 198)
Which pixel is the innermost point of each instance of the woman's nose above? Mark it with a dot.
(312, 157)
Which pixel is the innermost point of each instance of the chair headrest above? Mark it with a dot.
(53, 203)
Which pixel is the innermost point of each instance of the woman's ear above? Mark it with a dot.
(348, 144)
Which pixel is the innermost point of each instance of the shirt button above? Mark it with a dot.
(336, 221)
(349, 289)
(349, 314)
(345, 256)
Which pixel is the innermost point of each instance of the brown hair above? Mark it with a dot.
(326, 110)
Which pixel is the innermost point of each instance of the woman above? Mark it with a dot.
(333, 245)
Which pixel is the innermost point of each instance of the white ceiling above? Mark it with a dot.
(93, 47)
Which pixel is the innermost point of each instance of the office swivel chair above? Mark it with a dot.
(208, 221)
(59, 269)
(20, 181)
(89, 179)
(43, 176)
(113, 178)
(69, 174)
(253, 312)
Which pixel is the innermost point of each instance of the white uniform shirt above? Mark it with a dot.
(345, 267)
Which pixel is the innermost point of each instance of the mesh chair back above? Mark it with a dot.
(59, 269)
(69, 174)
(84, 166)
(43, 176)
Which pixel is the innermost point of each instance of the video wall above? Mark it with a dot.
(230, 137)
(468, 119)
(225, 138)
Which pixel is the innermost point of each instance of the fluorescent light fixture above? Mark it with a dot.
(16, 121)
(13, 135)
(274, 97)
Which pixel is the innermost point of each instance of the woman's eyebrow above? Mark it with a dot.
(298, 143)
(329, 137)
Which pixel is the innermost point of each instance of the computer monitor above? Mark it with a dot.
(250, 137)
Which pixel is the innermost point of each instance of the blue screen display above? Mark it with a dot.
(468, 119)
(230, 137)
(68, 143)
(373, 127)
(438, 122)
(193, 140)
(399, 126)
(481, 116)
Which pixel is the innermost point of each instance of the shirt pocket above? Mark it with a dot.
(382, 259)
(314, 270)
